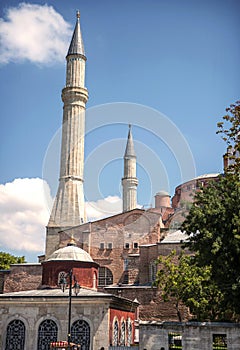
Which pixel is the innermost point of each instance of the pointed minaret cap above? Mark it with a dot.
(129, 152)
(76, 46)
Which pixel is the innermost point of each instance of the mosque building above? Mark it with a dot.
(113, 259)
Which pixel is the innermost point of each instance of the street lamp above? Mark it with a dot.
(65, 281)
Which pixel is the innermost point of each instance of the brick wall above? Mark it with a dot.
(152, 306)
(23, 277)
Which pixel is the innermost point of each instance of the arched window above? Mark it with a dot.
(123, 333)
(80, 334)
(115, 333)
(15, 338)
(94, 280)
(152, 271)
(61, 276)
(47, 333)
(105, 276)
(129, 332)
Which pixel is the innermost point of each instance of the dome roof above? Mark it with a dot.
(71, 252)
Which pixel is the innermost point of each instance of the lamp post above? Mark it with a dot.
(67, 280)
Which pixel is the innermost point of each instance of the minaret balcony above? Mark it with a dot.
(74, 95)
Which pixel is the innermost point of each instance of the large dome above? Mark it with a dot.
(71, 252)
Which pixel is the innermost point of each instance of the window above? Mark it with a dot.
(125, 264)
(129, 332)
(110, 245)
(94, 281)
(61, 277)
(47, 333)
(115, 333)
(126, 245)
(123, 334)
(219, 342)
(105, 276)
(15, 338)
(175, 341)
(80, 334)
(152, 271)
(135, 245)
(126, 278)
(101, 246)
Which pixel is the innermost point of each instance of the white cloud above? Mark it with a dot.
(25, 209)
(24, 215)
(35, 33)
(102, 208)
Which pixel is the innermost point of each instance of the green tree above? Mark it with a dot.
(181, 280)
(208, 282)
(229, 128)
(7, 259)
(213, 223)
(213, 227)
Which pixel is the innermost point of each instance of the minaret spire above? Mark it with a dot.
(129, 180)
(68, 209)
(76, 45)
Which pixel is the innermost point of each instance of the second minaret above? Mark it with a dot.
(129, 180)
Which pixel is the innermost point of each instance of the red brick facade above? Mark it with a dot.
(86, 273)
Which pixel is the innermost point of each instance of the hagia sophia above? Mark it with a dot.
(112, 259)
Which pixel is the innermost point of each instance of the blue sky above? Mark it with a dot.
(173, 62)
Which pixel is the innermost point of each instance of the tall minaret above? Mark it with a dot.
(129, 180)
(68, 209)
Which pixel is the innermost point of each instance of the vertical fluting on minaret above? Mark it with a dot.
(68, 208)
(129, 180)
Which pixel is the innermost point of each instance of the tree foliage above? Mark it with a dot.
(229, 128)
(214, 236)
(213, 223)
(7, 259)
(181, 280)
(208, 282)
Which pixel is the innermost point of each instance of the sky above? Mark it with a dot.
(168, 67)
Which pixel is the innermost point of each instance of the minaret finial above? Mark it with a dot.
(72, 241)
(78, 14)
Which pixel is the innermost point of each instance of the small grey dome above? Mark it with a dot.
(71, 252)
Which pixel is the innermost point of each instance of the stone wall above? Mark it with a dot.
(32, 313)
(193, 336)
(23, 277)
